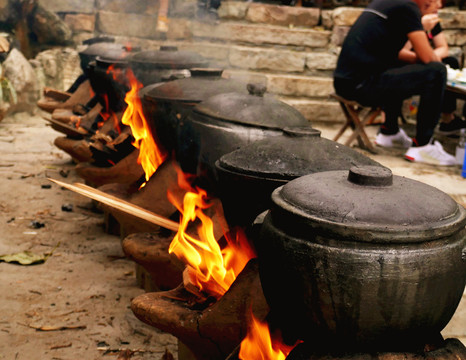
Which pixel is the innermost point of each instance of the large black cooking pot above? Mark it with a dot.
(109, 80)
(90, 52)
(167, 63)
(165, 105)
(247, 176)
(362, 259)
(225, 122)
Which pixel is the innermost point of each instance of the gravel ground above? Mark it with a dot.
(76, 304)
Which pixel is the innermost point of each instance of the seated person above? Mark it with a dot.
(450, 123)
(368, 71)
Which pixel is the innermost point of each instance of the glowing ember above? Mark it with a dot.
(215, 268)
(258, 344)
(150, 156)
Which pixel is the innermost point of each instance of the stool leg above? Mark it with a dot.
(347, 124)
(359, 132)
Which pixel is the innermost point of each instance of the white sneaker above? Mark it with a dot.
(400, 139)
(430, 154)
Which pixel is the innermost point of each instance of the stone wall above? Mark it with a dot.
(293, 50)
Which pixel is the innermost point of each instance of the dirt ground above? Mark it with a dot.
(81, 295)
(76, 305)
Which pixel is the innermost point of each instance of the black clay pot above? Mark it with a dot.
(165, 105)
(109, 80)
(362, 259)
(226, 122)
(105, 48)
(167, 63)
(247, 176)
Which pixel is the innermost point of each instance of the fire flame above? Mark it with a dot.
(215, 268)
(258, 344)
(150, 155)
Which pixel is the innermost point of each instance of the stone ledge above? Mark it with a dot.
(317, 110)
(70, 6)
(286, 84)
(112, 23)
(283, 15)
(250, 33)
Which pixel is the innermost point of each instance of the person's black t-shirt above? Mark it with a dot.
(373, 42)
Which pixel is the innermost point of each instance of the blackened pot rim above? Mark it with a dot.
(371, 233)
(253, 175)
(202, 117)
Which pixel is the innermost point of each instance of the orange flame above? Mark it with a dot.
(150, 155)
(258, 344)
(215, 268)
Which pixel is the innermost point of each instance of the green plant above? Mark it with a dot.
(7, 91)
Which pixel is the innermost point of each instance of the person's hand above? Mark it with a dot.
(429, 21)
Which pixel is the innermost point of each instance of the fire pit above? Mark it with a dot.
(210, 332)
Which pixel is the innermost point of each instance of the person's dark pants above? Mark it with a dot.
(390, 88)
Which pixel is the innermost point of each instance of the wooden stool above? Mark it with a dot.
(357, 117)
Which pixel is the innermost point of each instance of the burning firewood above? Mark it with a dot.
(211, 332)
(125, 171)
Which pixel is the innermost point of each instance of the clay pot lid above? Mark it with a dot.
(102, 48)
(299, 151)
(202, 84)
(168, 57)
(368, 203)
(253, 107)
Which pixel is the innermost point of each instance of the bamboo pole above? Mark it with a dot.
(119, 204)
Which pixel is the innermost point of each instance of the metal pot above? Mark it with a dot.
(166, 104)
(225, 122)
(107, 74)
(92, 51)
(167, 63)
(247, 176)
(362, 259)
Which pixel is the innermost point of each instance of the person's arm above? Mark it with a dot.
(407, 54)
(440, 45)
(422, 48)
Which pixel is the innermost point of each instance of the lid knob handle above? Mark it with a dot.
(256, 89)
(370, 176)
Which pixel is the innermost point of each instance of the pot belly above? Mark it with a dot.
(201, 142)
(360, 293)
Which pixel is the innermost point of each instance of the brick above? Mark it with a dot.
(266, 59)
(317, 110)
(345, 16)
(126, 24)
(283, 15)
(233, 10)
(74, 6)
(80, 22)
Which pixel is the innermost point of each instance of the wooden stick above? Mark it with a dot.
(119, 204)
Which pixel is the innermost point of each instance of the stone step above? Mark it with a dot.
(324, 110)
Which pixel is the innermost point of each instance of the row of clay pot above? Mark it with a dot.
(210, 331)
